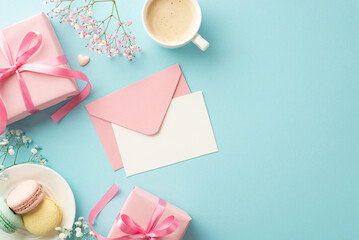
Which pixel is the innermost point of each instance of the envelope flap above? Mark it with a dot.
(141, 106)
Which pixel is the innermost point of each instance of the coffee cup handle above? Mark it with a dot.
(200, 42)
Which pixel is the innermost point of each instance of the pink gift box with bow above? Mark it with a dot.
(144, 216)
(44, 87)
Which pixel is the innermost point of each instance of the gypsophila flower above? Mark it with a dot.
(12, 149)
(4, 142)
(68, 229)
(77, 232)
(62, 236)
(3, 177)
(78, 223)
(109, 36)
(26, 139)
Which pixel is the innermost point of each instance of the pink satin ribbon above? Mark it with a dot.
(127, 225)
(46, 66)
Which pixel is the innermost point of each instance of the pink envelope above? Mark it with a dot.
(140, 107)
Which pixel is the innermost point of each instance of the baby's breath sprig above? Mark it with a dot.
(13, 147)
(79, 231)
(109, 36)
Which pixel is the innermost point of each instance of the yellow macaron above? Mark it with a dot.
(44, 218)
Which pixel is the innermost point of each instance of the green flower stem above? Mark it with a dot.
(103, 23)
(3, 161)
(16, 143)
(10, 166)
(17, 152)
(30, 157)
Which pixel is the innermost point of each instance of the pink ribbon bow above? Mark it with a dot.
(46, 66)
(127, 225)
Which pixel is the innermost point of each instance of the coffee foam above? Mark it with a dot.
(171, 21)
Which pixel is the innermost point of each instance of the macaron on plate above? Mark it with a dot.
(51, 186)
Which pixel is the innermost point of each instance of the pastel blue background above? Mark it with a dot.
(280, 80)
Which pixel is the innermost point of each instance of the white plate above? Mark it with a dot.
(56, 188)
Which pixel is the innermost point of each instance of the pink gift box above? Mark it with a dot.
(45, 90)
(140, 206)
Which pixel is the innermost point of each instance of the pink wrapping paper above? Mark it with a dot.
(45, 90)
(140, 206)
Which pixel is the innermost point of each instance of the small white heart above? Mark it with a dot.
(83, 60)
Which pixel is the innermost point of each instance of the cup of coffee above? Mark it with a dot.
(173, 23)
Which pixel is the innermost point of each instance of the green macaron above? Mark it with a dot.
(9, 221)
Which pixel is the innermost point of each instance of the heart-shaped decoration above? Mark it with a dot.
(83, 60)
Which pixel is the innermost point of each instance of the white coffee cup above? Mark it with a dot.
(194, 36)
